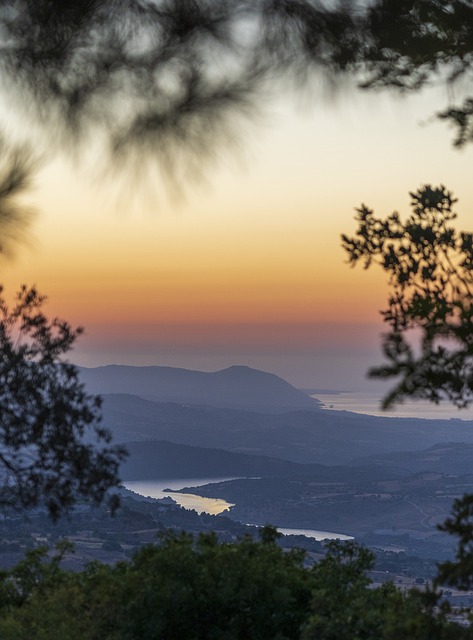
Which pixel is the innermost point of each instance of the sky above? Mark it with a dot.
(245, 265)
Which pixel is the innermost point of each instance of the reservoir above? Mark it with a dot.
(213, 506)
(314, 533)
(157, 489)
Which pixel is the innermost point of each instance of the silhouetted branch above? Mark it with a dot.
(429, 345)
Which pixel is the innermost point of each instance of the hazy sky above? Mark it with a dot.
(248, 268)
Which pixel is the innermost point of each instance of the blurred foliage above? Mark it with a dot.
(53, 449)
(176, 81)
(413, 43)
(201, 589)
(170, 77)
(17, 165)
(429, 263)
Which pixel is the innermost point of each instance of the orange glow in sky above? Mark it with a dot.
(248, 268)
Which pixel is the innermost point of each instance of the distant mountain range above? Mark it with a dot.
(244, 411)
(237, 387)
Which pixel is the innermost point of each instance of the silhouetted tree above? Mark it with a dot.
(53, 450)
(429, 345)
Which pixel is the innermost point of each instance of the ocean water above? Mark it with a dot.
(369, 404)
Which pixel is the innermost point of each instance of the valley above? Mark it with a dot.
(386, 481)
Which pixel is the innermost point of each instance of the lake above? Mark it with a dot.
(213, 506)
(314, 533)
(157, 489)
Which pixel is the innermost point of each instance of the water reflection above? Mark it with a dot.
(158, 489)
(314, 533)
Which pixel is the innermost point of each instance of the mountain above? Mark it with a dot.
(236, 387)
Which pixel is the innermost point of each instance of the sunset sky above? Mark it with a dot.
(247, 267)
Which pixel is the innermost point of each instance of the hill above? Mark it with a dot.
(236, 387)
(355, 501)
(325, 437)
(151, 460)
(450, 458)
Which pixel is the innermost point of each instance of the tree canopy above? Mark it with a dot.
(203, 589)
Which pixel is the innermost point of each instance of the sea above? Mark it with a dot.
(370, 404)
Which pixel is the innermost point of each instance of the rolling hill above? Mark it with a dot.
(151, 460)
(324, 437)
